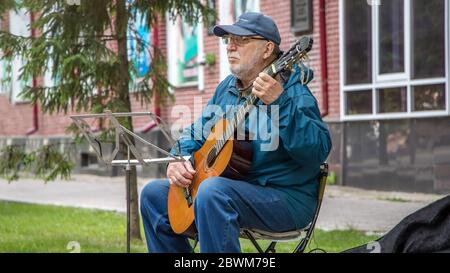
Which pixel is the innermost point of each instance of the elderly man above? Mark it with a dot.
(279, 192)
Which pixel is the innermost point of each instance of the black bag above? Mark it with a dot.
(426, 230)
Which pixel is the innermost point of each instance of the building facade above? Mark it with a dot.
(381, 78)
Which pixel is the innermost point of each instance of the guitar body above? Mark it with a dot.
(233, 161)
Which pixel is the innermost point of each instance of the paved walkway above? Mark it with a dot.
(343, 207)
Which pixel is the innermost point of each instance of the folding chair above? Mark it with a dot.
(304, 234)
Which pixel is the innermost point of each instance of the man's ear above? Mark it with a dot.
(269, 47)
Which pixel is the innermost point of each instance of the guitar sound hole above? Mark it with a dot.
(211, 157)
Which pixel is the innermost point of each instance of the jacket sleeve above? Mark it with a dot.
(303, 133)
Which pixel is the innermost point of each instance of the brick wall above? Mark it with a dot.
(14, 119)
(332, 29)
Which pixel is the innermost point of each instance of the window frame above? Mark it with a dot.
(395, 79)
(171, 56)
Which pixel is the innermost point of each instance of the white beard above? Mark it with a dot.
(247, 69)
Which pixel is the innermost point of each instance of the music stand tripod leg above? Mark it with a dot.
(128, 175)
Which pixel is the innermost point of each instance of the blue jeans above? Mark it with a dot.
(221, 207)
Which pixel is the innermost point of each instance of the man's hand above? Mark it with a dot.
(180, 173)
(266, 88)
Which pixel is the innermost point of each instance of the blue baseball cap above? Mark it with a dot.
(250, 24)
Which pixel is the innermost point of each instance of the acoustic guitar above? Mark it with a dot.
(223, 154)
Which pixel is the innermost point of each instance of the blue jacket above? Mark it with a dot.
(286, 157)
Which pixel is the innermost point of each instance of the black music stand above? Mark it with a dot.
(122, 133)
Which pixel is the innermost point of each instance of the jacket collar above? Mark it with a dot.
(232, 86)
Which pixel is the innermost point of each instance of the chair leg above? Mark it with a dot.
(302, 245)
(254, 242)
(271, 247)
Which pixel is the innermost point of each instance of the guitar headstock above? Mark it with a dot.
(294, 55)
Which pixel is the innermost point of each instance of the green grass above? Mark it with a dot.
(43, 228)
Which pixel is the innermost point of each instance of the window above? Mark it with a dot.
(183, 55)
(391, 42)
(395, 58)
(359, 102)
(18, 25)
(429, 97)
(139, 45)
(392, 100)
(428, 41)
(358, 42)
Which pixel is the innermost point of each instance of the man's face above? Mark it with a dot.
(245, 55)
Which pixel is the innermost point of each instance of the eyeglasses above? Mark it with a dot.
(239, 40)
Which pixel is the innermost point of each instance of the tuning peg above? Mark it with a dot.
(290, 67)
